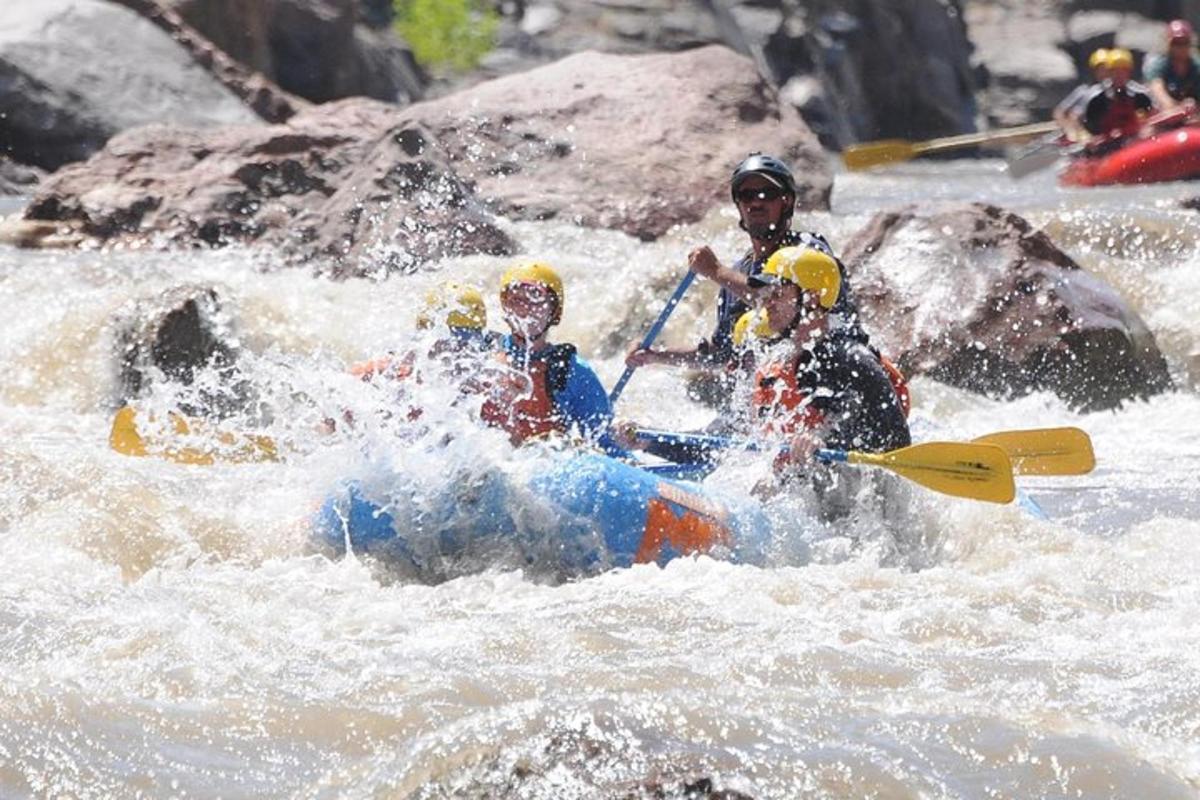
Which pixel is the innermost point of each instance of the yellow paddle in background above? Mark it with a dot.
(1046, 451)
(891, 151)
(975, 471)
(1039, 451)
(227, 447)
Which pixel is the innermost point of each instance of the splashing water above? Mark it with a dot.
(171, 631)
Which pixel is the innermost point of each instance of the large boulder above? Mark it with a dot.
(75, 72)
(823, 54)
(633, 143)
(18, 179)
(177, 336)
(318, 49)
(875, 69)
(975, 297)
(1019, 50)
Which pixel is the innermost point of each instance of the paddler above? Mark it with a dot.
(1173, 78)
(542, 389)
(1069, 113)
(454, 311)
(1118, 107)
(457, 315)
(764, 191)
(817, 383)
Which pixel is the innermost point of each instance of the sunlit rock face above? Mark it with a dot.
(75, 72)
(975, 297)
(631, 143)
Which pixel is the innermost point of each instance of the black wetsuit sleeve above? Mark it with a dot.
(1093, 113)
(857, 400)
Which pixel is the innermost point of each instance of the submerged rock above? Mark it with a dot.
(633, 143)
(977, 298)
(75, 72)
(174, 336)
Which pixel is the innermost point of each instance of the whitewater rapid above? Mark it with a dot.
(168, 631)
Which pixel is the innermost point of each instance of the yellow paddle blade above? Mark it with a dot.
(873, 154)
(124, 437)
(1046, 451)
(227, 447)
(977, 471)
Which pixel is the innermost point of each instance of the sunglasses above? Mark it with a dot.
(762, 193)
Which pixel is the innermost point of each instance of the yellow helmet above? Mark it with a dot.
(807, 268)
(1098, 58)
(751, 325)
(1119, 58)
(535, 272)
(460, 305)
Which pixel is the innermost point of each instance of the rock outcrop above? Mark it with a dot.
(977, 298)
(75, 72)
(321, 50)
(633, 143)
(18, 179)
(823, 54)
(176, 336)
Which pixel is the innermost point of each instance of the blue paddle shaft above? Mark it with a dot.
(709, 441)
(655, 330)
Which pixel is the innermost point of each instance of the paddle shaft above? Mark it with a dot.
(653, 333)
(871, 154)
(1038, 451)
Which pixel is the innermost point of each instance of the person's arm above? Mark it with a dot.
(698, 357)
(583, 403)
(1161, 97)
(704, 262)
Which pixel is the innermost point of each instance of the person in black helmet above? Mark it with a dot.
(764, 192)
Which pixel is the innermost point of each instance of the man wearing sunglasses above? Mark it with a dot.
(765, 194)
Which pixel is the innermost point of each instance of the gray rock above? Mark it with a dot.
(75, 72)
(318, 49)
(18, 179)
(632, 143)
(1019, 45)
(989, 304)
(175, 336)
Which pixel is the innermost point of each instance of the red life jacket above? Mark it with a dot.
(1121, 115)
(528, 410)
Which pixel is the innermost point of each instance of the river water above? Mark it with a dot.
(167, 631)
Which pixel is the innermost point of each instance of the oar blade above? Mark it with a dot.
(124, 436)
(976, 471)
(874, 154)
(1046, 451)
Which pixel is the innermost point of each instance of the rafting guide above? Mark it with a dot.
(763, 190)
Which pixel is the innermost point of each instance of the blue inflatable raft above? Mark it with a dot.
(582, 511)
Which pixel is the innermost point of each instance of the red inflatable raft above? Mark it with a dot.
(1172, 155)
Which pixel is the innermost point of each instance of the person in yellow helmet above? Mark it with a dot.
(1117, 108)
(454, 310)
(548, 388)
(821, 386)
(1069, 113)
(456, 313)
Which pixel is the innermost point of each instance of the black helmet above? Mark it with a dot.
(768, 167)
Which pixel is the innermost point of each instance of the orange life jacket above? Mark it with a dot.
(775, 389)
(528, 412)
